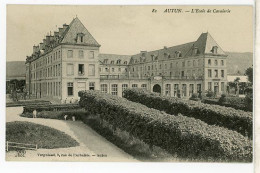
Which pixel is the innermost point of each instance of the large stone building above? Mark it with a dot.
(69, 61)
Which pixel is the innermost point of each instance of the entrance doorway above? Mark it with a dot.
(157, 88)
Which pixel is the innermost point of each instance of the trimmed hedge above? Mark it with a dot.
(53, 107)
(77, 113)
(230, 118)
(233, 102)
(187, 137)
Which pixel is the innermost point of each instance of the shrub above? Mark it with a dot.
(230, 101)
(79, 114)
(210, 94)
(249, 102)
(185, 136)
(54, 107)
(195, 97)
(222, 99)
(230, 118)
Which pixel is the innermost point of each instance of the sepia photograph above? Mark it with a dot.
(121, 83)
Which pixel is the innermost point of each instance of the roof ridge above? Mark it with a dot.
(113, 54)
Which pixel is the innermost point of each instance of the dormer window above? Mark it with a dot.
(152, 57)
(118, 61)
(80, 38)
(112, 62)
(195, 51)
(214, 49)
(125, 62)
(105, 61)
(167, 55)
(178, 54)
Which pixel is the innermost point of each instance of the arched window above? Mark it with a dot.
(209, 62)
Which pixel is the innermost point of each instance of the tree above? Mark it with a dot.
(249, 73)
(236, 81)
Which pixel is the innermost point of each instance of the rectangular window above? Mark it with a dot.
(184, 90)
(216, 62)
(114, 90)
(209, 73)
(124, 87)
(209, 86)
(222, 86)
(134, 85)
(191, 89)
(91, 55)
(222, 62)
(144, 86)
(70, 54)
(70, 88)
(183, 64)
(59, 70)
(168, 89)
(81, 54)
(91, 70)
(119, 69)
(103, 88)
(198, 88)
(91, 85)
(70, 69)
(81, 69)
(216, 73)
(222, 73)
(81, 39)
(182, 73)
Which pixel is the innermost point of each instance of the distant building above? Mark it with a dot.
(69, 61)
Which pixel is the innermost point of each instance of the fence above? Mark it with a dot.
(20, 146)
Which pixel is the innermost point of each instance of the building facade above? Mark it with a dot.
(69, 61)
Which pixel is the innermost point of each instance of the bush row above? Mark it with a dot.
(240, 106)
(184, 136)
(77, 113)
(230, 118)
(53, 107)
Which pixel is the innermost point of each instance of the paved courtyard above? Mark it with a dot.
(91, 143)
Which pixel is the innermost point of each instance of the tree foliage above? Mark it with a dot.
(249, 73)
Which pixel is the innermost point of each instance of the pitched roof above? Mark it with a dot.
(114, 57)
(204, 45)
(74, 28)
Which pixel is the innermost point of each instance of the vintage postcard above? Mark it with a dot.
(129, 83)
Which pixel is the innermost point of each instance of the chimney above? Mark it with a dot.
(51, 38)
(47, 40)
(65, 26)
(61, 31)
(37, 48)
(41, 46)
(34, 49)
(56, 34)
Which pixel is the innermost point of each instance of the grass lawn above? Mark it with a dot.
(43, 136)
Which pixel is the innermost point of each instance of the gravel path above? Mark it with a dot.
(93, 147)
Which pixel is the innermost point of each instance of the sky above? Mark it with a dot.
(127, 30)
